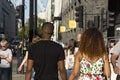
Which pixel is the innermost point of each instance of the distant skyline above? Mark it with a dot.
(41, 5)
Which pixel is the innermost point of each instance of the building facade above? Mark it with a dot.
(57, 18)
(94, 15)
(8, 27)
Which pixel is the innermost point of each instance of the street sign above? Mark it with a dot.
(62, 28)
(72, 24)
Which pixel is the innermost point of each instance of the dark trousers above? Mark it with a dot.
(5, 74)
(118, 77)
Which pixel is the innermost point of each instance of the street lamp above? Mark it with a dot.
(23, 26)
(33, 19)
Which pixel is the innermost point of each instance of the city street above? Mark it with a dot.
(18, 76)
(23, 21)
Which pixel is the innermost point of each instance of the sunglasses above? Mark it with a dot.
(3, 46)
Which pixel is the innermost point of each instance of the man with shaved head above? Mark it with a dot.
(46, 57)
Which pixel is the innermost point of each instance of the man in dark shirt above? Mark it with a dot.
(46, 57)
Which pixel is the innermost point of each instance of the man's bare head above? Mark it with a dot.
(47, 30)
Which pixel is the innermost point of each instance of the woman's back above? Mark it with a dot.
(91, 71)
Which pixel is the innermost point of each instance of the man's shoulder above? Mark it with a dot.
(58, 44)
(48, 43)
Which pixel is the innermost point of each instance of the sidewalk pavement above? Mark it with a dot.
(18, 76)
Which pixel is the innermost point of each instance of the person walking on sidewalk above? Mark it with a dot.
(5, 61)
(35, 39)
(70, 53)
(115, 59)
(91, 60)
(46, 57)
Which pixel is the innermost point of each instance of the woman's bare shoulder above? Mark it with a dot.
(78, 55)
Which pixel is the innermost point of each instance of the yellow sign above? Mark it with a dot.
(72, 24)
(62, 28)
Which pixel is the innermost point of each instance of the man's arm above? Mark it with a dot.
(7, 57)
(113, 61)
(61, 66)
(29, 69)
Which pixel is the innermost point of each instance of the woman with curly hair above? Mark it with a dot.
(91, 60)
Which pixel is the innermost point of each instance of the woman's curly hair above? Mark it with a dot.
(92, 43)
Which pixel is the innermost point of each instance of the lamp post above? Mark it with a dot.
(33, 19)
(23, 29)
(23, 26)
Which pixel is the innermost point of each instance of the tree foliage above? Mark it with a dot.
(40, 22)
(26, 32)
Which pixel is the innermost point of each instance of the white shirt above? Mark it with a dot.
(4, 63)
(116, 50)
(69, 61)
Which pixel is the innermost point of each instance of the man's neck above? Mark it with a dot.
(45, 38)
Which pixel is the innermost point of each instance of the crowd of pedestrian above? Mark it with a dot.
(85, 58)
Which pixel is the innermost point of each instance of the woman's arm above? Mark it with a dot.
(23, 62)
(76, 68)
(107, 70)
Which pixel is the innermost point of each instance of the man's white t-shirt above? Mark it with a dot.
(4, 63)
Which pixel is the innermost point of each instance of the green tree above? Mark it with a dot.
(40, 22)
(26, 32)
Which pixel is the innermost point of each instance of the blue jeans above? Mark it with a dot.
(68, 73)
(33, 74)
(5, 73)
